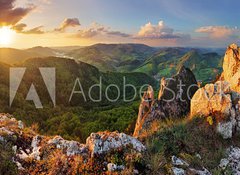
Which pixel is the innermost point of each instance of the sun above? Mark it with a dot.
(6, 35)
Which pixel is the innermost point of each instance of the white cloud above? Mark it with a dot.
(219, 32)
(96, 29)
(159, 31)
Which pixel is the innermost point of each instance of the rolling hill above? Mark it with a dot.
(13, 56)
(156, 62)
(113, 57)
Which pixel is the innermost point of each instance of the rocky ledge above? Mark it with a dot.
(32, 152)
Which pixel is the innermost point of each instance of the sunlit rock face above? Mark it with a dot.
(145, 107)
(213, 98)
(231, 67)
(222, 99)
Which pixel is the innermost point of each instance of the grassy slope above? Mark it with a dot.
(186, 139)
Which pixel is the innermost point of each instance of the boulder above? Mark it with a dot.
(103, 142)
(213, 98)
(72, 147)
(219, 101)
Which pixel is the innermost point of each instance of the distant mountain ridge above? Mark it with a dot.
(113, 57)
(156, 62)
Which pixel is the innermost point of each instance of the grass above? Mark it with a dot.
(186, 139)
(6, 164)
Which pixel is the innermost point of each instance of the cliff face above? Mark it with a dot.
(173, 101)
(231, 67)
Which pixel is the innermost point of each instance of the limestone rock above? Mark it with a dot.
(219, 101)
(204, 171)
(113, 167)
(232, 160)
(224, 163)
(225, 129)
(176, 93)
(178, 171)
(103, 142)
(173, 101)
(178, 162)
(213, 98)
(144, 108)
(231, 67)
(20, 124)
(71, 147)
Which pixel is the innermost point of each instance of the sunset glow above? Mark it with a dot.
(6, 35)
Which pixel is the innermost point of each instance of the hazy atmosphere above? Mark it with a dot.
(156, 22)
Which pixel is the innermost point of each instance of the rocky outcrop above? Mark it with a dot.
(221, 100)
(231, 161)
(173, 101)
(217, 100)
(145, 107)
(213, 98)
(30, 146)
(176, 93)
(103, 142)
(181, 167)
(231, 67)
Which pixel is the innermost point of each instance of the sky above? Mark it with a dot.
(184, 23)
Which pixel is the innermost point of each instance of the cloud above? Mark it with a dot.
(219, 32)
(36, 30)
(159, 31)
(117, 33)
(96, 29)
(19, 28)
(11, 15)
(68, 22)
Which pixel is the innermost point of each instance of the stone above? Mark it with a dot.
(20, 124)
(6, 131)
(178, 162)
(35, 147)
(225, 129)
(102, 142)
(204, 171)
(223, 163)
(232, 160)
(111, 167)
(71, 147)
(213, 98)
(178, 171)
